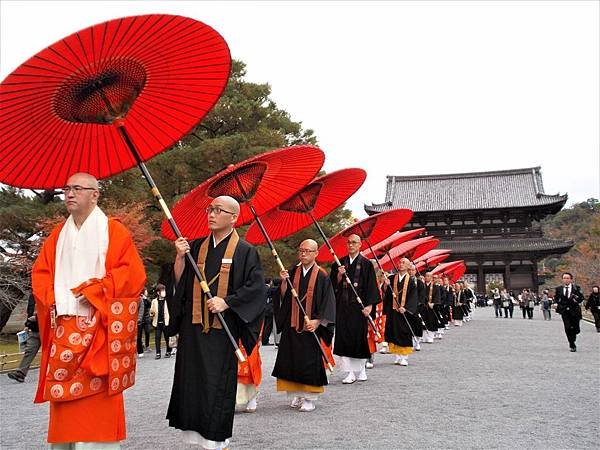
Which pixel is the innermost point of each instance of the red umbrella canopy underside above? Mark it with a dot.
(389, 243)
(456, 273)
(430, 254)
(161, 74)
(318, 198)
(375, 228)
(411, 250)
(430, 262)
(264, 180)
(445, 267)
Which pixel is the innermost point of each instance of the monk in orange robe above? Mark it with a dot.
(86, 282)
(249, 377)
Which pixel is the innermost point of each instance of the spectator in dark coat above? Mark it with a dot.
(32, 345)
(593, 305)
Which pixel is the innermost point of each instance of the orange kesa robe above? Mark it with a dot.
(96, 361)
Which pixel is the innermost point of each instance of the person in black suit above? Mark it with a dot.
(568, 297)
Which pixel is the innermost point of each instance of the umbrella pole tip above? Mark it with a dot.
(240, 356)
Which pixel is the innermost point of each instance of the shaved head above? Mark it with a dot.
(81, 196)
(307, 252)
(353, 245)
(309, 244)
(404, 264)
(228, 202)
(83, 179)
(223, 222)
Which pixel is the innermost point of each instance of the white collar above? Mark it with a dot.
(215, 243)
(305, 271)
(351, 259)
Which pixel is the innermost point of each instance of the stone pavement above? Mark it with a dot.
(494, 383)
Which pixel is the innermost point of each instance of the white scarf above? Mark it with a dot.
(80, 255)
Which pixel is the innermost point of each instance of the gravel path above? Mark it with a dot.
(494, 383)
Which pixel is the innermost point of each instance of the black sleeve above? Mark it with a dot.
(31, 306)
(388, 297)
(282, 304)
(248, 301)
(371, 291)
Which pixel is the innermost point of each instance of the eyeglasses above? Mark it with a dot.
(217, 210)
(304, 250)
(77, 189)
(354, 242)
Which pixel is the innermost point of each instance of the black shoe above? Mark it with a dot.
(573, 349)
(157, 356)
(168, 355)
(17, 376)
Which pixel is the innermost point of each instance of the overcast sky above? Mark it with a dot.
(398, 88)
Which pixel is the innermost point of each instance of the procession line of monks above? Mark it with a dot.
(87, 282)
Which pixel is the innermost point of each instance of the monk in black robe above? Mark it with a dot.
(352, 327)
(447, 299)
(431, 296)
(438, 306)
(205, 381)
(299, 367)
(400, 301)
(458, 311)
(416, 320)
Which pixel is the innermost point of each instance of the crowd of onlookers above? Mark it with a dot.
(504, 303)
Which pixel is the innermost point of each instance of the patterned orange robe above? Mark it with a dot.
(85, 367)
(250, 371)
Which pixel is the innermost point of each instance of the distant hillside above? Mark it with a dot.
(580, 224)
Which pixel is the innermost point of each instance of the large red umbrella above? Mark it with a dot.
(389, 243)
(430, 262)
(371, 230)
(445, 267)
(260, 183)
(313, 202)
(457, 272)
(107, 98)
(152, 77)
(411, 250)
(430, 254)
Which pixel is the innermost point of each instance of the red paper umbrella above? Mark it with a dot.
(259, 182)
(411, 250)
(429, 263)
(372, 230)
(445, 267)
(312, 202)
(420, 266)
(430, 254)
(457, 272)
(387, 244)
(153, 77)
(107, 98)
